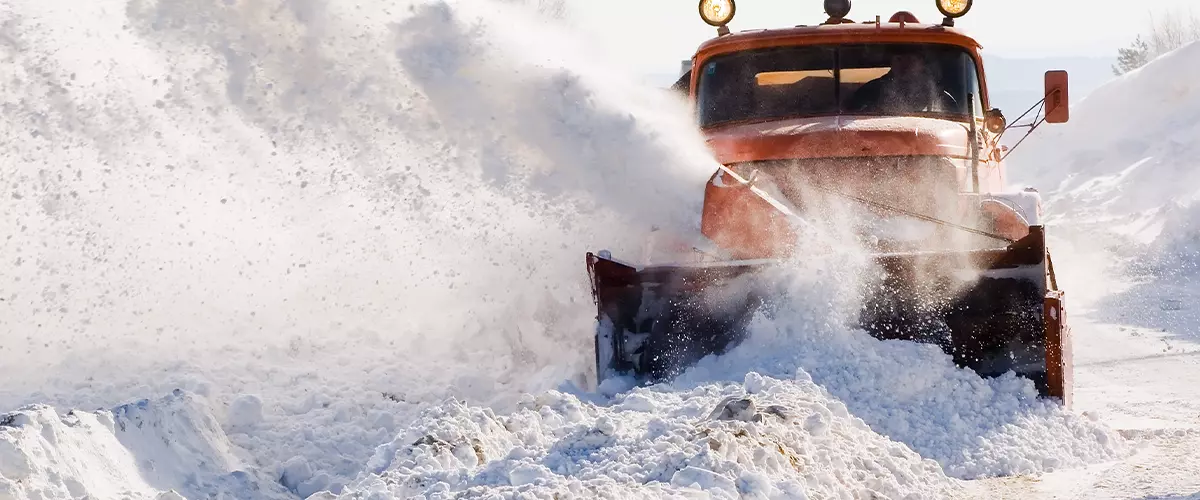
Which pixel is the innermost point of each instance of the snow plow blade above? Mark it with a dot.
(999, 310)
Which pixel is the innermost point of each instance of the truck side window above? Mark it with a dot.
(971, 79)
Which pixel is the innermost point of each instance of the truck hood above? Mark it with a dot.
(838, 136)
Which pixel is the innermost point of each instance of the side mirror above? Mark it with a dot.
(1058, 109)
(994, 121)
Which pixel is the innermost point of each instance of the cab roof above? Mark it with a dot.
(865, 32)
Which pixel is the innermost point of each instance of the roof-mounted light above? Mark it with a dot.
(837, 10)
(904, 17)
(953, 9)
(718, 13)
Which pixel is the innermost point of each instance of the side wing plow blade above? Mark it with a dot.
(655, 322)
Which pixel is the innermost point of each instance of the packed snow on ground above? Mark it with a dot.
(320, 220)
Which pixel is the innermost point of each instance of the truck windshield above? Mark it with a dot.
(814, 80)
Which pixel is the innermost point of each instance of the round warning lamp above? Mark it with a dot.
(717, 12)
(837, 9)
(954, 8)
(995, 122)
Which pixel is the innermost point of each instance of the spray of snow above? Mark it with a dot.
(315, 206)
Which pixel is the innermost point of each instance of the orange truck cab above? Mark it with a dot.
(894, 112)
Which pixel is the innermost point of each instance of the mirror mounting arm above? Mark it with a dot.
(1038, 120)
(1054, 103)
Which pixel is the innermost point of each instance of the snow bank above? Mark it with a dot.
(47, 455)
(762, 438)
(1126, 163)
(149, 449)
(1130, 143)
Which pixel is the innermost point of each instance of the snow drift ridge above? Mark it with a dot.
(148, 449)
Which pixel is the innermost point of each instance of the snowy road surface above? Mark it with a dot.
(1139, 375)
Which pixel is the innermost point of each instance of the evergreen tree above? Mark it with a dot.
(1166, 33)
(1133, 57)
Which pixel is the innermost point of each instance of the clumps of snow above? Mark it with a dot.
(164, 449)
(245, 411)
(803, 407)
(744, 409)
(761, 438)
(298, 476)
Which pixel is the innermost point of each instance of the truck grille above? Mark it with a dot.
(928, 185)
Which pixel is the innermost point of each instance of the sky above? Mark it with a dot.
(652, 34)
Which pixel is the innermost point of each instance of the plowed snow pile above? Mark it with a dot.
(836, 404)
(914, 394)
(766, 438)
(148, 449)
(320, 218)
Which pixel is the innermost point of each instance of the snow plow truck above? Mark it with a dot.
(892, 119)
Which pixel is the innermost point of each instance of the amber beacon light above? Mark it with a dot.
(717, 13)
(954, 9)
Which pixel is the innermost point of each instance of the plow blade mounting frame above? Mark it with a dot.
(654, 322)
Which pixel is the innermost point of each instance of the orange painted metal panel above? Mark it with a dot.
(838, 136)
(1059, 369)
(743, 221)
